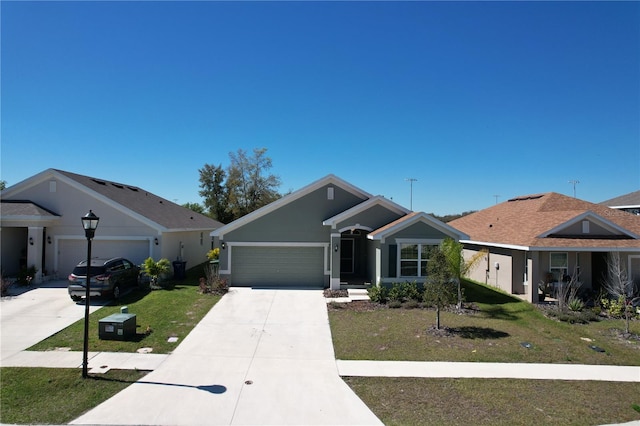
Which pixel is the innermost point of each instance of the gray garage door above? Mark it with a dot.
(277, 266)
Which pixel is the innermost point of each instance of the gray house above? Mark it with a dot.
(41, 227)
(327, 234)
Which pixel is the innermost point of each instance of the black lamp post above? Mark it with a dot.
(89, 223)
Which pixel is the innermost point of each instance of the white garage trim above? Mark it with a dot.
(325, 247)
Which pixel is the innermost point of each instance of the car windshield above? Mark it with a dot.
(81, 271)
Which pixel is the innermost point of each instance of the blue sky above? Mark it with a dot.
(472, 99)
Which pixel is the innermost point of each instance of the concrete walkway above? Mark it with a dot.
(258, 357)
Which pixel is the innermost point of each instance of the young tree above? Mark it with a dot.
(440, 288)
(454, 253)
(618, 284)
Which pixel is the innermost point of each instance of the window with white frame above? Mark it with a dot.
(559, 265)
(414, 259)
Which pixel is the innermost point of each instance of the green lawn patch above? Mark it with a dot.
(417, 401)
(56, 396)
(170, 312)
(493, 331)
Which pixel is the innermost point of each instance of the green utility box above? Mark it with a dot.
(117, 327)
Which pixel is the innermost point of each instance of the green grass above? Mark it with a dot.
(56, 396)
(494, 333)
(170, 312)
(418, 401)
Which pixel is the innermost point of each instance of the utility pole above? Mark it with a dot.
(574, 182)
(411, 180)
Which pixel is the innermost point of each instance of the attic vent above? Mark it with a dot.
(117, 185)
(585, 226)
(133, 188)
(99, 182)
(330, 191)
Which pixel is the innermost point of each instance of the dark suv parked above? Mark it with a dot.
(109, 277)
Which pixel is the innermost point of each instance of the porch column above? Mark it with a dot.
(534, 276)
(34, 251)
(334, 264)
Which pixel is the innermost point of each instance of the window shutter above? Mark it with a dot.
(393, 260)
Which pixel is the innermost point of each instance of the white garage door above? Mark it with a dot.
(277, 266)
(73, 251)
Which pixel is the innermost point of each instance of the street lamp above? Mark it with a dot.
(89, 223)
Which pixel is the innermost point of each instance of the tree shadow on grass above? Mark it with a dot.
(470, 332)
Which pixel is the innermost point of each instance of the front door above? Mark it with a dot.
(353, 262)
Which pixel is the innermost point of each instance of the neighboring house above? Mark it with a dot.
(629, 203)
(545, 237)
(328, 234)
(41, 224)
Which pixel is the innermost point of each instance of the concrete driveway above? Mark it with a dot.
(29, 315)
(258, 357)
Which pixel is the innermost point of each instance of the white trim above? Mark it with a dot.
(545, 248)
(424, 241)
(354, 227)
(419, 217)
(378, 200)
(327, 180)
(599, 220)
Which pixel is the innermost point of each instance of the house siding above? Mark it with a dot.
(303, 218)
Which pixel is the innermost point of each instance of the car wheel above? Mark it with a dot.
(116, 292)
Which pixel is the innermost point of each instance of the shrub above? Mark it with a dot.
(395, 304)
(154, 269)
(411, 304)
(575, 304)
(615, 307)
(377, 293)
(404, 291)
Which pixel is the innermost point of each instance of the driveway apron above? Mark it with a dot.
(259, 357)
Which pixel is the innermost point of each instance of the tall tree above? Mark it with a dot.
(214, 192)
(454, 253)
(439, 288)
(198, 208)
(244, 187)
(249, 186)
(3, 185)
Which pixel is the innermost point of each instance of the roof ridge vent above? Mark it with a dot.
(99, 182)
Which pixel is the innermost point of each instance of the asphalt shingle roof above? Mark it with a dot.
(24, 208)
(159, 210)
(630, 199)
(522, 220)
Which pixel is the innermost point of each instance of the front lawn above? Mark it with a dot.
(419, 401)
(160, 314)
(56, 395)
(502, 329)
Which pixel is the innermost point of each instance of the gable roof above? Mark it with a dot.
(378, 200)
(327, 180)
(629, 200)
(128, 198)
(412, 218)
(535, 221)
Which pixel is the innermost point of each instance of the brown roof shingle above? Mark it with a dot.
(522, 220)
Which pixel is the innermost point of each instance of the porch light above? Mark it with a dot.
(30, 241)
(89, 223)
(335, 248)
